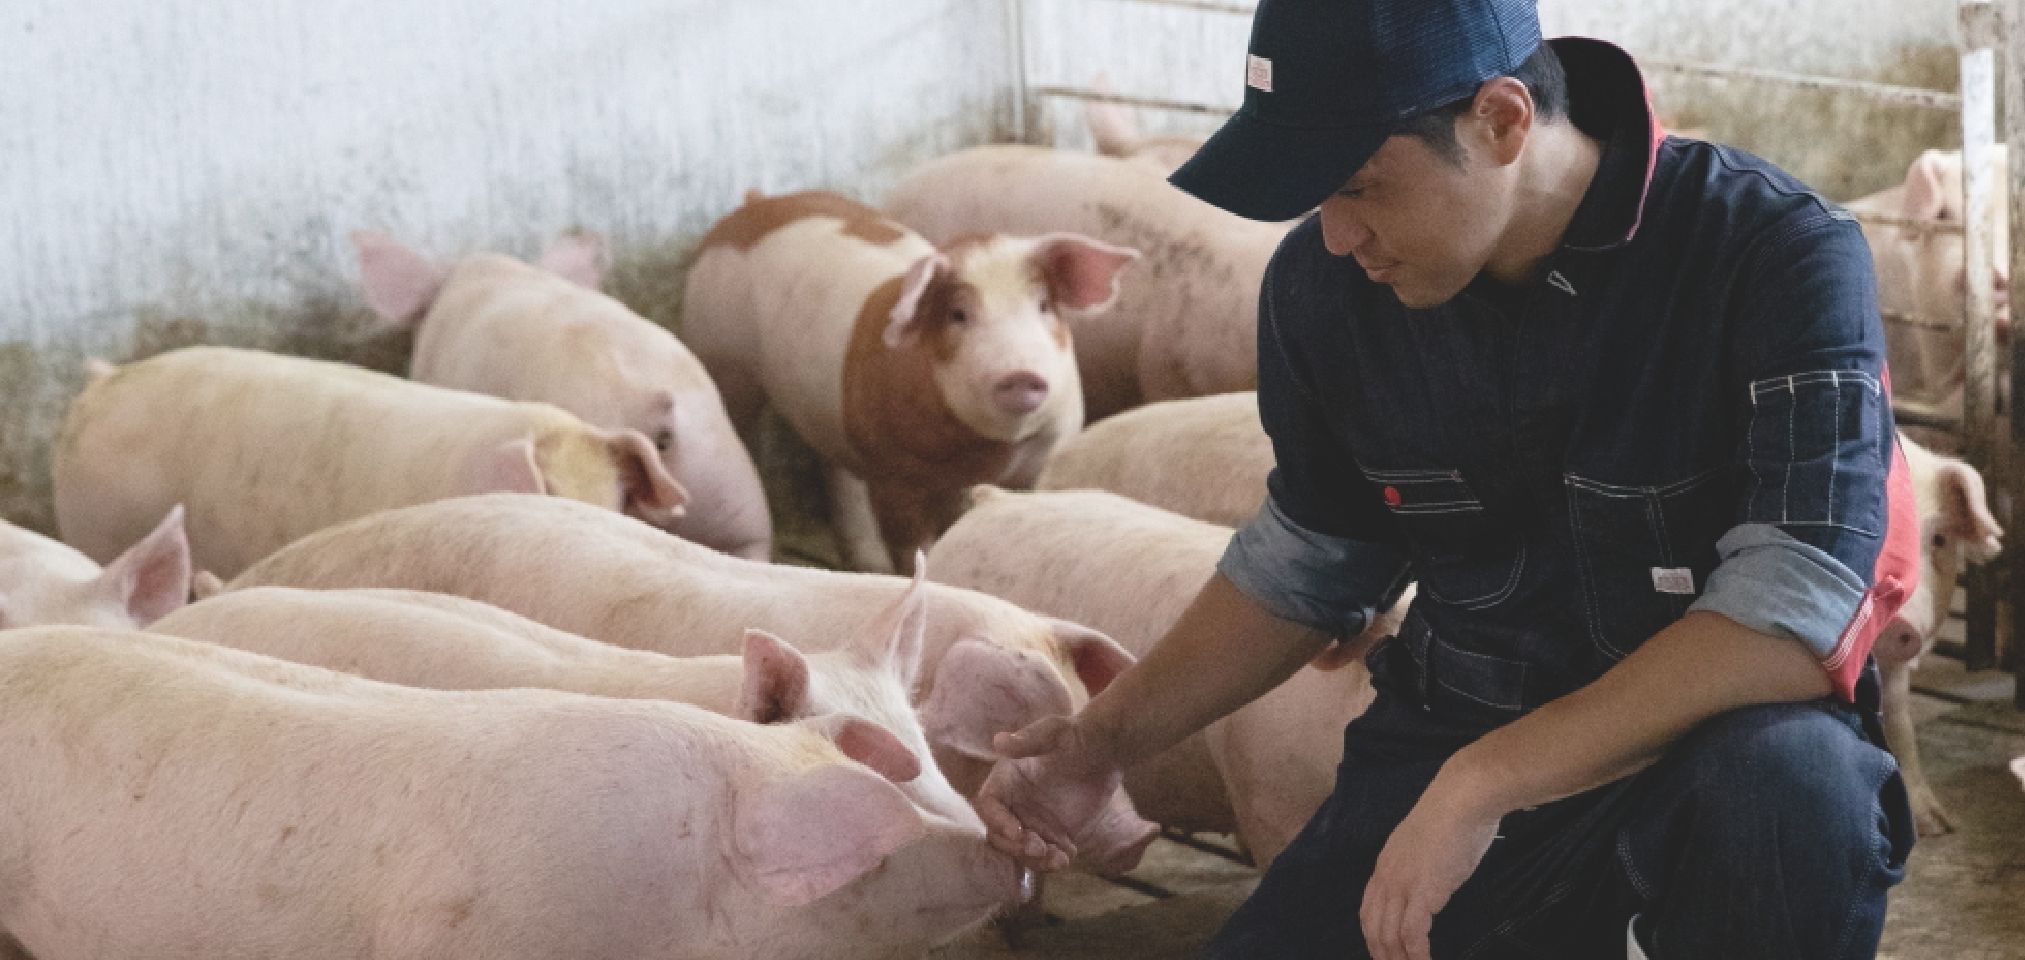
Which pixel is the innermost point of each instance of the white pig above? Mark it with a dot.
(1260, 772)
(1955, 526)
(1923, 273)
(596, 575)
(1204, 457)
(492, 324)
(174, 800)
(1186, 321)
(1115, 132)
(914, 370)
(443, 642)
(43, 582)
(263, 449)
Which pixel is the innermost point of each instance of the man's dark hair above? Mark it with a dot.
(1544, 79)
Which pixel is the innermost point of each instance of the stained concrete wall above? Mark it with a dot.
(1842, 144)
(176, 171)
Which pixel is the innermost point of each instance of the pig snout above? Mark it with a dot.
(1900, 641)
(1116, 841)
(1019, 394)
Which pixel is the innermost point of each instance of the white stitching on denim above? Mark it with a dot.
(1792, 452)
(1638, 881)
(1410, 476)
(1452, 506)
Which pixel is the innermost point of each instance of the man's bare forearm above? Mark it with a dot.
(1223, 653)
(1701, 666)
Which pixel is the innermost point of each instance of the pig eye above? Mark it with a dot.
(663, 439)
(1940, 540)
(958, 316)
(1047, 305)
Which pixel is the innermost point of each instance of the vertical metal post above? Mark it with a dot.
(1980, 36)
(2011, 485)
(1016, 35)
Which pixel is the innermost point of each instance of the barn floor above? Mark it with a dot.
(1963, 897)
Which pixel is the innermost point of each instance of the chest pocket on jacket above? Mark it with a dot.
(1644, 553)
(1461, 556)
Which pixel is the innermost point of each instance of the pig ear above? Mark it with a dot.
(980, 494)
(1925, 195)
(400, 284)
(508, 468)
(1082, 273)
(913, 287)
(1098, 658)
(805, 838)
(658, 420)
(152, 578)
(1968, 511)
(981, 689)
(776, 680)
(1112, 127)
(205, 585)
(651, 492)
(870, 744)
(578, 256)
(897, 635)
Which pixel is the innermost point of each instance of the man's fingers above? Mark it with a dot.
(1037, 738)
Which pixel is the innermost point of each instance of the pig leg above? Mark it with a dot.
(855, 523)
(1931, 819)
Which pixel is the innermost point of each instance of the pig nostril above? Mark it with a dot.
(1020, 393)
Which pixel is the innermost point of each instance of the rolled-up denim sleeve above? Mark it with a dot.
(1323, 551)
(1823, 491)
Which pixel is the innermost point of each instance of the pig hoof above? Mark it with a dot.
(1931, 820)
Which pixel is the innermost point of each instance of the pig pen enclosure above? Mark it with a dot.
(181, 173)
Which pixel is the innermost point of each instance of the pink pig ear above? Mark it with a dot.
(805, 838)
(152, 578)
(1967, 511)
(651, 492)
(1113, 128)
(578, 256)
(400, 284)
(1098, 658)
(895, 638)
(1925, 196)
(776, 680)
(1082, 273)
(913, 286)
(981, 689)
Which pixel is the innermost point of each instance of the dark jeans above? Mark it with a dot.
(1769, 833)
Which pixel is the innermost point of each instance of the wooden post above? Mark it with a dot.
(1980, 441)
(2010, 486)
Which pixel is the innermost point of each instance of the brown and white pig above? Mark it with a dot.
(1955, 526)
(263, 448)
(597, 575)
(492, 324)
(914, 370)
(1186, 320)
(1221, 477)
(43, 582)
(1260, 772)
(442, 642)
(1923, 274)
(174, 800)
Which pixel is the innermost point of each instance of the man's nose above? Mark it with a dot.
(1342, 234)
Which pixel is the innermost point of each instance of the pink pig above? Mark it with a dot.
(444, 642)
(914, 370)
(1221, 479)
(491, 324)
(1260, 772)
(597, 575)
(263, 449)
(177, 800)
(43, 582)
(1186, 321)
(1955, 526)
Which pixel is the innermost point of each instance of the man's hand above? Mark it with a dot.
(1427, 858)
(1054, 786)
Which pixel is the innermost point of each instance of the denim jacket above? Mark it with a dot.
(1686, 410)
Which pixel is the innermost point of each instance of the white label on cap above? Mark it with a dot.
(1679, 580)
(1258, 72)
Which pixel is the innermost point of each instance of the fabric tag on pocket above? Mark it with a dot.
(1679, 580)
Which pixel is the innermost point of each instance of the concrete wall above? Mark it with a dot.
(176, 171)
(1842, 144)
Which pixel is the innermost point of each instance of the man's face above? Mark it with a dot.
(1418, 222)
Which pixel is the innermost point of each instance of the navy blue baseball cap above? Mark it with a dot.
(1326, 81)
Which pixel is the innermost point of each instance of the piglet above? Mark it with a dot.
(913, 370)
(492, 324)
(43, 582)
(264, 448)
